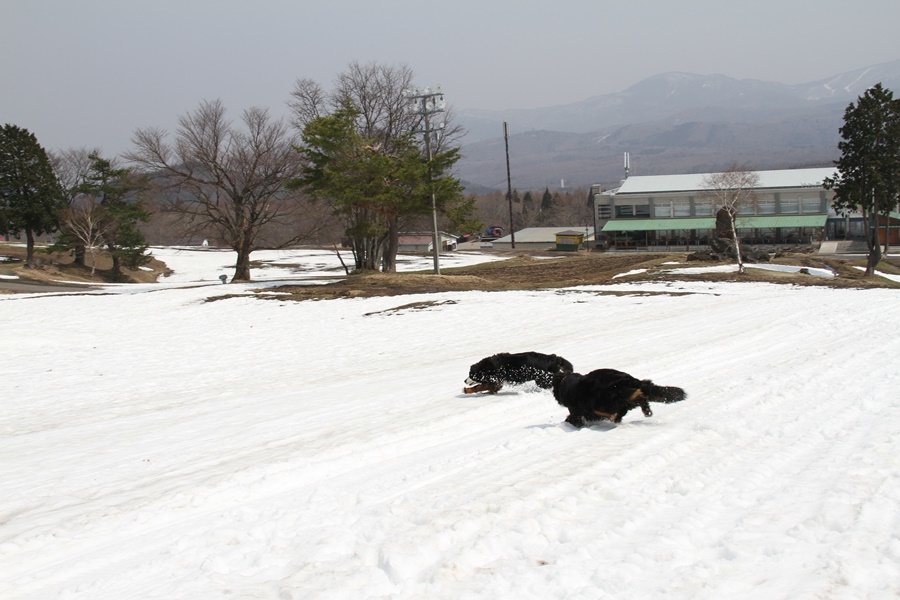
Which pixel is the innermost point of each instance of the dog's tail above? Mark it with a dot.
(659, 393)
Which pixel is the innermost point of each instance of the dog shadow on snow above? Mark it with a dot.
(595, 426)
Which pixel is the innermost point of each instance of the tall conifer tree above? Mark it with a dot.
(30, 195)
(868, 171)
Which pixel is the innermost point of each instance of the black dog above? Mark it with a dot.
(489, 374)
(607, 394)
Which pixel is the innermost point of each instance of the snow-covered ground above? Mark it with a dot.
(157, 445)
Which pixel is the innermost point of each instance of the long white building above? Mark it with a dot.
(791, 206)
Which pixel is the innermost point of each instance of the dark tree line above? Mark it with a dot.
(551, 209)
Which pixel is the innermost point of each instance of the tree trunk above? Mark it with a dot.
(391, 245)
(341, 258)
(116, 267)
(737, 245)
(872, 242)
(372, 254)
(29, 248)
(242, 266)
(887, 233)
(872, 260)
(358, 252)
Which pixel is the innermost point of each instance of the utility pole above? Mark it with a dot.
(512, 231)
(426, 103)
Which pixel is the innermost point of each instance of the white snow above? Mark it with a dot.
(627, 273)
(154, 445)
(882, 274)
(731, 268)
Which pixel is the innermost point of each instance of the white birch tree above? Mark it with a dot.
(731, 191)
(85, 220)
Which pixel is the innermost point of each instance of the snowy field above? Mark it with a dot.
(154, 445)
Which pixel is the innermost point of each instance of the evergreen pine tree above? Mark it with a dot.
(867, 177)
(30, 195)
(547, 200)
(527, 202)
(122, 213)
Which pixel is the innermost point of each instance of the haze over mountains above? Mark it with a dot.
(668, 123)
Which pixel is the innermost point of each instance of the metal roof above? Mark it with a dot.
(785, 178)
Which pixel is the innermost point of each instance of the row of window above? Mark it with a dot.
(703, 208)
(681, 238)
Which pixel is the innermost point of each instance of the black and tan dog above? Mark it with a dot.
(489, 374)
(607, 394)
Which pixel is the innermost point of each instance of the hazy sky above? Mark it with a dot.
(88, 72)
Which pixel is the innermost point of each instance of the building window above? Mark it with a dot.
(662, 210)
(790, 206)
(604, 211)
(811, 205)
(642, 210)
(766, 207)
(682, 208)
(703, 208)
(624, 211)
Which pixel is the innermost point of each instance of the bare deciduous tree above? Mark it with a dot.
(72, 167)
(84, 220)
(228, 178)
(731, 191)
(378, 93)
(308, 101)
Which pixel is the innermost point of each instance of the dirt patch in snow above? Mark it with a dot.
(524, 271)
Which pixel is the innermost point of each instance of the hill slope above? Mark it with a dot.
(158, 445)
(673, 122)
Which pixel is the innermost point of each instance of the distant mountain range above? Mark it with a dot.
(668, 123)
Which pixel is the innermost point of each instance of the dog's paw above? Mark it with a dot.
(567, 426)
(575, 421)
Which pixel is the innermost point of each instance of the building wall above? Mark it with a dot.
(808, 201)
(683, 202)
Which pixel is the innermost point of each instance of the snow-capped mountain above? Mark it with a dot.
(669, 123)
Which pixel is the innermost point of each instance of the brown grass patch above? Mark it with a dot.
(54, 268)
(519, 271)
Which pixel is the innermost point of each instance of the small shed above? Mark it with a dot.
(570, 241)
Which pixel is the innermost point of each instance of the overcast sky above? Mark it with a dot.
(89, 72)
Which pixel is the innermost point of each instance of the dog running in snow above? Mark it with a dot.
(607, 394)
(491, 373)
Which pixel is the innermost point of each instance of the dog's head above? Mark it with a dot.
(561, 381)
(483, 377)
(562, 365)
(484, 371)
